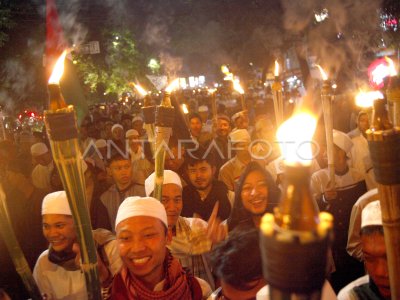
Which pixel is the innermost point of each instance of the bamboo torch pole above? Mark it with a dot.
(14, 249)
(164, 120)
(384, 146)
(62, 131)
(296, 229)
(277, 96)
(326, 97)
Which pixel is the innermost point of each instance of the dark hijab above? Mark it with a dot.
(241, 216)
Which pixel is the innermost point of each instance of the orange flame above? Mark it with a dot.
(323, 74)
(139, 89)
(276, 72)
(366, 99)
(185, 109)
(391, 67)
(58, 69)
(172, 86)
(211, 91)
(237, 87)
(295, 138)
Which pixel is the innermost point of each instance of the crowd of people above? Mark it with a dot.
(201, 240)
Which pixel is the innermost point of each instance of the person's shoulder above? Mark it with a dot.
(195, 223)
(205, 287)
(356, 175)
(320, 174)
(347, 293)
(43, 261)
(368, 197)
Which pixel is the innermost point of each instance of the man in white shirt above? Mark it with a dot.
(44, 166)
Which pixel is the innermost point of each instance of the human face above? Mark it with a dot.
(172, 201)
(175, 161)
(44, 159)
(254, 193)
(340, 159)
(142, 245)
(374, 251)
(242, 122)
(59, 231)
(138, 126)
(195, 127)
(223, 127)
(121, 172)
(134, 142)
(229, 292)
(117, 133)
(363, 123)
(200, 175)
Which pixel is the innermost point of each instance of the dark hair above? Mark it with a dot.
(116, 156)
(239, 214)
(199, 155)
(372, 229)
(231, 262)
(194, 115)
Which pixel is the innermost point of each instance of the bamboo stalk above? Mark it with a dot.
(278, 101)
(63, 136)
(14, 249)
(149, 119)
(328, 121)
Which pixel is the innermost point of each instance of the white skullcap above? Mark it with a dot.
(342, 140)
(56, 204)
(39, 149)
(131, 132)
(101, 143)
(116, 126)
(169, 177)
(141, 206)
(203, 108)
(371, 214)
(240, 135)
(236, 116)
(137, 118)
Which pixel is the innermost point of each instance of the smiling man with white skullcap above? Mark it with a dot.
(189, 235)
(339, 200)
(149, 270)
(57, 270)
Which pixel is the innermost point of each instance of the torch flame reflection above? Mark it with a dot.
(58, 69)
(140, 90)
(323, 74)
(276, 72)
(172, 86)
(366, 99)
(295, 138)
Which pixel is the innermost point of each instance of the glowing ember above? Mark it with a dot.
(58, 69)
(323, 74)
(139, 89)
(295, 138)
(237, 87)
(366, 99)
(228, 74)
(276, 72)
(185, 109)
(172, 86)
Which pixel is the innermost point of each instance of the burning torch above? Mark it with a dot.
(62, 131)
(14, 249)
(213, 103)
(164, 120)
(277, 96)
(393, 93)
(326, 97)
(236, 84)
(384, 146)
(365, 100)
(148, 111)
(296, 229)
